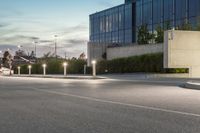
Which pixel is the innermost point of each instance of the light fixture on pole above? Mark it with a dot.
(19, 70)
(44, 69)
(35, 52)
(65, 68)
(55, 36)
(29, 68)
(94, 67)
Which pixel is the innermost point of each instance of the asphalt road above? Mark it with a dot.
(33, 105)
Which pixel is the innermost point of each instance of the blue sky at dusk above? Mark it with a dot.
(23, 21)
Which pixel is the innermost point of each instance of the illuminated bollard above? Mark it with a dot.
(94, 68)
(65, 68)
(44, 69)
(29, 69)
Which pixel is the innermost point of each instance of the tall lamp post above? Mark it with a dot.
(35, 44)
(0, 56)
(19, 47)
(44, 69)
(55, 36)
(94, 68)
(29, 69)
(65, 68)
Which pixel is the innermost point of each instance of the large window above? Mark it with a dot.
(157, 11)
(181, 11)
(139, 13)
(112, 26)
(118, 24)
(147, 12)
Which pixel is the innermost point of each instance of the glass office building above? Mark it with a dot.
(120, 24)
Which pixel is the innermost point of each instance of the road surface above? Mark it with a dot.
(35, 105)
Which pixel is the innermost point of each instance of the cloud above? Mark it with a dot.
(105, 3)
(76, 41)
(46, 41)
(27, 37)
(70, 39)
(74, 29)
(3, 25)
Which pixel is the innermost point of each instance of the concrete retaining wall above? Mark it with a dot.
(134, 50)
(182, 50)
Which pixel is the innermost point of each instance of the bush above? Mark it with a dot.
(55, 66)
(146, 63)
(151, 63)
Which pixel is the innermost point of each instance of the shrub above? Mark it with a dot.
(55, 66)
(145, 63)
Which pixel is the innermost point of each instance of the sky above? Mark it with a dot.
(24, 21)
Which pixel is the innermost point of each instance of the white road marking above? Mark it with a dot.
(119, 103)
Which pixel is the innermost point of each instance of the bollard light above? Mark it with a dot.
(44, 69)
(29, 69)
(94, 67)
(19, 70)
(65, 64)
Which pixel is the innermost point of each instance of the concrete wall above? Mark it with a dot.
(182, 50)
(134, 50)
(95, 51)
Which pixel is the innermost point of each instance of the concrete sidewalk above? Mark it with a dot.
(60, 76)
(192, 85)
(182, 80)
(127, 77)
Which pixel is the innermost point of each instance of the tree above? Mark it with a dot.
(32, 54)
(144, 37)
(159, 37)
(104, 55)
(20, 53)
(7, 60)
(185, 26)
(82, 56)
(48, 55)
(167, 25)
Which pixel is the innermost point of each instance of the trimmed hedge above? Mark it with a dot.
(55, 66)
(151, 63)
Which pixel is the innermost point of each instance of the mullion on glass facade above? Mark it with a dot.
(119, 24)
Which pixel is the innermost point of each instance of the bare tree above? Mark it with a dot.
(7, 60)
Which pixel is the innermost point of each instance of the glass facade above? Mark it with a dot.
(120, 24)
(114, 25)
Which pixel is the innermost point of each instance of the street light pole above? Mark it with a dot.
(1, 58)
(35, 48)
(1, 53)
(56, 45)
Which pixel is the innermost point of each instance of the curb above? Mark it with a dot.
(69, 77)
(192, 85)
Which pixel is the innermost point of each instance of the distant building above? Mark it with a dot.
(22, 58)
